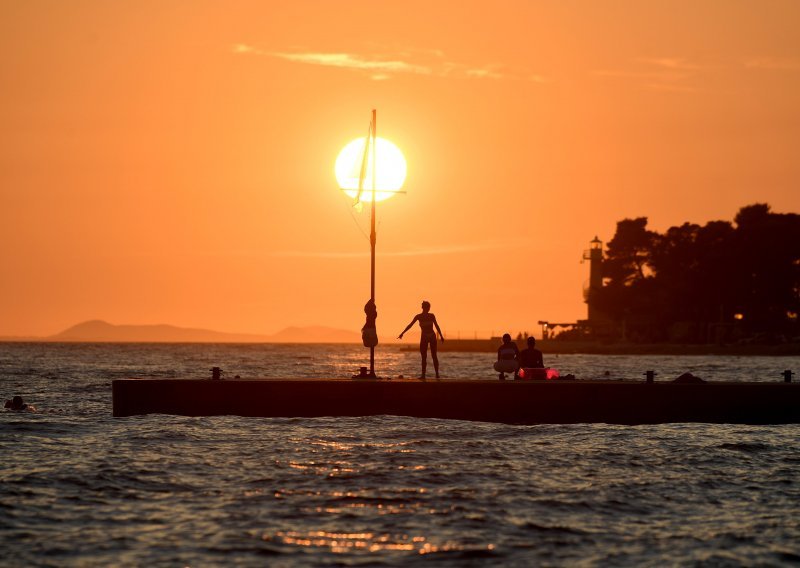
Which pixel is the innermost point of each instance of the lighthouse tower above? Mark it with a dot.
(595, 257)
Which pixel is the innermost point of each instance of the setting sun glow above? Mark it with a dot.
(140, 139)
(390, 175)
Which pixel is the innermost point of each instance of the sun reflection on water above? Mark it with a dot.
(343, 542)
(326, 469)
(388, 447)
(344, 501)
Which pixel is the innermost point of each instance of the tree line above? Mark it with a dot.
(718, 282)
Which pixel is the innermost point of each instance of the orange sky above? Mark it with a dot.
(172, 162)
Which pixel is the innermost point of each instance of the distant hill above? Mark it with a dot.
(97, 330)
(19, 338)
(101, 331)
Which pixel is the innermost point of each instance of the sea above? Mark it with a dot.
(79, 487)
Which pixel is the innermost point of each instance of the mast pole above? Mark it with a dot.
(372, 235)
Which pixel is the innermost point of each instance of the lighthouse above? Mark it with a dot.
(595, 257)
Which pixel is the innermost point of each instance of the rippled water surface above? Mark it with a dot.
(82, 488)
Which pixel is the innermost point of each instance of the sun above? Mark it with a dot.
(391, 172)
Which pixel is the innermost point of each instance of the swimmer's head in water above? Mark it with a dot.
(426, 305)
(506, 338)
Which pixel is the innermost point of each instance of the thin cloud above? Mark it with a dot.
(426, 251)
(349, 61)
(316, 254)
(242, 48)
(383, 67)
(671, 74)
(484, 74)
(773, 63)
(670, 63)
(538, 78)
(671, 88)
(641, 74)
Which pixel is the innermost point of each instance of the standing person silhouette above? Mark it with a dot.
(427, 336)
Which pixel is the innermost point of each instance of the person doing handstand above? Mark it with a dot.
(427, 321)
(369, 333)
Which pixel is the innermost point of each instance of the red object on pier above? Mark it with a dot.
(532, 374)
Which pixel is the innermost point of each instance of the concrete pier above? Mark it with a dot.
(513, 402)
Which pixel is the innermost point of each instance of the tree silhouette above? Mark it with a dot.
(692, 281)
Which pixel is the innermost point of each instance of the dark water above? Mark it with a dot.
(80, 488)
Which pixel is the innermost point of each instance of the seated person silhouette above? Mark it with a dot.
(507, 355)
(531, 364)
(531, 357)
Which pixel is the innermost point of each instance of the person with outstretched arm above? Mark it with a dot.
(427, 321)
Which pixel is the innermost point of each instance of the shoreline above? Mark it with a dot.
(598, 348)
(548, 347)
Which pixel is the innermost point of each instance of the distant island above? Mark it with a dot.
(101, 331)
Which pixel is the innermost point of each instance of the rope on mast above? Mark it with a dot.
(363, 172)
